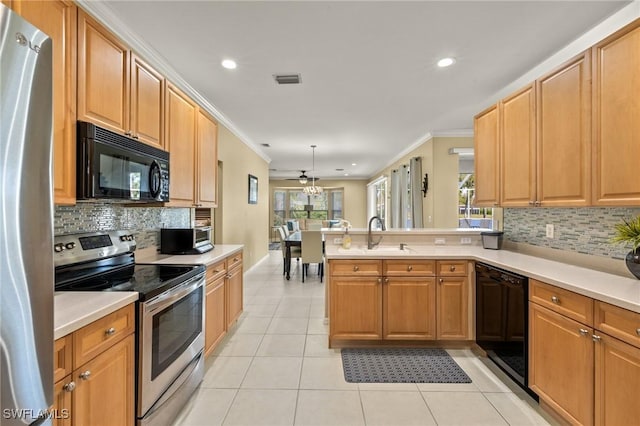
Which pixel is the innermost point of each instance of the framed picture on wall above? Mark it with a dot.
(253, 189)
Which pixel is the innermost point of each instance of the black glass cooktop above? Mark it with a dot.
(121, 275)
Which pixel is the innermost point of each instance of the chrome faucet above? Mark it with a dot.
(370, 243)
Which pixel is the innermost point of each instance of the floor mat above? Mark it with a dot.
(274, 246)
(401, 365)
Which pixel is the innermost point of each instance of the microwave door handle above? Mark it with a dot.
(172, 295)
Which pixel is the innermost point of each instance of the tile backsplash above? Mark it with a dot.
(582, 230)
(143, 222)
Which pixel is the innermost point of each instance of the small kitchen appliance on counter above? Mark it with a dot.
(169, 322)
(185, 240)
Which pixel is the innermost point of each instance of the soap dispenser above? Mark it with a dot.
(346, 239)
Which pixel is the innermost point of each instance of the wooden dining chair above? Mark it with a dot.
(312, 252)
(295, 251)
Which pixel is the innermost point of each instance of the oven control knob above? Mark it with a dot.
(70, 246)
(58, 247)
(123, 238)
(129, 237)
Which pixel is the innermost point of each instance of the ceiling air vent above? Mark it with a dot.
(287, 78)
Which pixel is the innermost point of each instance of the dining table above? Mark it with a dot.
(293, 240)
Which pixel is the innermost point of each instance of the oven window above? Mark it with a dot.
(174, 329)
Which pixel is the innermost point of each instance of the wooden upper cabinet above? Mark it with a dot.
(180, 141)
(518, 148)
(147, 103)
(564, 134)
(487, 171)
(207, 160)
(103, 76)
(616, 118)
(116, 89)
(58, 19)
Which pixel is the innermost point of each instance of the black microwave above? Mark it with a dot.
(114, 167)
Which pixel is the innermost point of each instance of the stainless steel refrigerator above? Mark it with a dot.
(26, 222)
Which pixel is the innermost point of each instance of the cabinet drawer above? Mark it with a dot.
(101, 334)
(234, 261)
(62, 357)
(618, 322)
(451, 268)
(360, 267)
(216, 271)
(565, 302)
(409, 267)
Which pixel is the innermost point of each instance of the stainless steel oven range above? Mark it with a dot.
(169, 319)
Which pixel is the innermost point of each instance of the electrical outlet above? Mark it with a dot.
(440, 241)
(337, 240)
(465, 240)
(550, 230)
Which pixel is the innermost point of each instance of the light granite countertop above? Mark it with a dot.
(73, 310)
(617, 290)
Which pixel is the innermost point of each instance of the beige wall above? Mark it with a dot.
(355, 198)
(237, 221)
(439, 207)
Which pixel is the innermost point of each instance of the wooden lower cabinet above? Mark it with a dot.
(356, 308)
(408, 307)
(561, 360)
(453, 308)
(61, 412)
(215, 315)
(106, 395)
(617, 382)
(234, 293)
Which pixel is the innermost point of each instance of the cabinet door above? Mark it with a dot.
(180, 142)
(62, 402)
(207, 159)
(147, 103)
(103, 76)
(106, 396)
(487, 170)
(409, 308)
(517, 149)
(616, 118)
(58, 20)
(561, 364)
(356, 308)
(453, 308)
(215, 320)
(564, 135)
(234, 294)
(617, 382)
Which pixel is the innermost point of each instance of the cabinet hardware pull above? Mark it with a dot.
(85, 375)
(584, 331)
(110, 331)
(555, 300)
(409, 268)
(530, 202)
(135, 136)
(441, 280)
(356, 268)
(228, 276)
(379, 280)
(215, 271)
(386, 280)
(638, 331)
(69, 387)
(452, 268)
(536, 203)
(596, 338)
(127, 133)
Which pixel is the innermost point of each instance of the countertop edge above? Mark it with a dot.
(218, 253)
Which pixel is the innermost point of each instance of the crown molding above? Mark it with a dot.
(457, 133)
(103, 13)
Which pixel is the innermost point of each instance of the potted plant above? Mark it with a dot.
(628, 233)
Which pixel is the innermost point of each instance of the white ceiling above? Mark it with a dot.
(370, 87)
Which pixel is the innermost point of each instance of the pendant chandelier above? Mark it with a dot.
(313, 189)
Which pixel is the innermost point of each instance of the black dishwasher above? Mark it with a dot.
(502, 320)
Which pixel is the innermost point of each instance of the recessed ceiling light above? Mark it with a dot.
(229, 64)
(346, 174)
(353, 164)
(445, 62)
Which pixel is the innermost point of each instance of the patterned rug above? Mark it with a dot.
(401, 365)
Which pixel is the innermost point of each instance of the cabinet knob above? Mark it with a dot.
(386, 280)
(584, 332)
(110, 331)
(379, 280)
(356, 268)
(85, 375)
(530, 202)
(228, 276)
(128, 133)
(596, 338)
(536, 203)
(638, 331)
(409, 268)
(555, 299)
(69, 387)
(441, 280)
(452, 268)
(135, 136)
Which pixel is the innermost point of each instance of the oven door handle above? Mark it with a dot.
(176, 293)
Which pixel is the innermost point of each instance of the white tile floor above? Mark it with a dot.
(274, 368)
